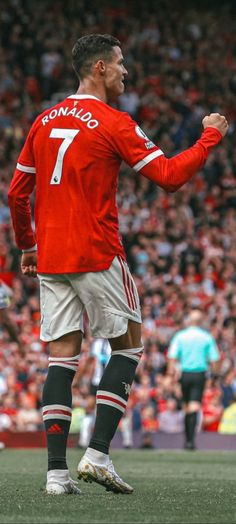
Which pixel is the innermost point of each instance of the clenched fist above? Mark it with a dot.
(29, 264)
(216, 120)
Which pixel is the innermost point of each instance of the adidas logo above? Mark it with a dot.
(55, 429)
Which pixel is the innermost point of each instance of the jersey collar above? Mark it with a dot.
(81, 97)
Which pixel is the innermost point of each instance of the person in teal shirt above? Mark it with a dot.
(194, 351)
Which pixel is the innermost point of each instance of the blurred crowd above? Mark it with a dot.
(181, 247)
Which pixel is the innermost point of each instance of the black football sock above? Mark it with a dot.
(112, 396)
(187, 427)
(57, 401)
(192, 426)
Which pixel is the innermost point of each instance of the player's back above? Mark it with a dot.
(72, 155)
(76, 180)
(75, 150)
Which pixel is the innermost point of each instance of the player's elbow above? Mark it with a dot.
(215, 366)
(11, 200)
(11, 197)
(172, 188)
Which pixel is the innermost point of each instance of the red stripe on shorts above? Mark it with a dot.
(124, 276)
(131, 289)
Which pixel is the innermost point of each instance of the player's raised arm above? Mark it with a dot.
(172, 173)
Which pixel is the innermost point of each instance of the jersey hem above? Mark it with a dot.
(194, 370)
(59, 334)
(77, 270)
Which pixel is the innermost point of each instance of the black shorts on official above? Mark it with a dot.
(192, 384)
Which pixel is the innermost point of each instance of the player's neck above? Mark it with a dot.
(88, 87)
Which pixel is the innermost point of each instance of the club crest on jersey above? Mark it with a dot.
(141, 133)
(148, 143)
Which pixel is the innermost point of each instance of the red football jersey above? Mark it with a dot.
(72, 155)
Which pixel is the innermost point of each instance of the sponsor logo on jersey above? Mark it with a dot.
(149, 144)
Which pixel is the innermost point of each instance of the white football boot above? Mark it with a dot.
(103, 474)
(60, 483)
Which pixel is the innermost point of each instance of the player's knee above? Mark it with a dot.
(193, 406)
(132, 353)
(66, 346)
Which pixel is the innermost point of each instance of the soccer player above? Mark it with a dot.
(72, 156)
(195, 350)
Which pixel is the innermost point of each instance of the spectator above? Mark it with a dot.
(190, 82)
(171, 420)
(227, 388)
(211, 413)
(227, 425)
(28, 418)
(149, 424)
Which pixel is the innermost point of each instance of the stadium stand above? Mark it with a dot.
(180, 247)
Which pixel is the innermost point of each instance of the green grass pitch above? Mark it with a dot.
(170, 487)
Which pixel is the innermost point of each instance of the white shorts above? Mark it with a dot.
(109, 297)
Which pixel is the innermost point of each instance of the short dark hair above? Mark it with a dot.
(90, 48)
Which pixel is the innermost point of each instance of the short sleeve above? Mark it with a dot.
(213, 351)
(174, 349)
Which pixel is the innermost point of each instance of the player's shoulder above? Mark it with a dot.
(183, 334)
(204, 334)
(36, 124)
(115, 115)
(208, 335)
(111, 114)
(180, 332)
(47, 111)
(177, 335)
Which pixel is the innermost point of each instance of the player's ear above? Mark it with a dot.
(100, 67)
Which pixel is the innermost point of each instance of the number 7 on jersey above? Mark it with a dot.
(68, 136)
